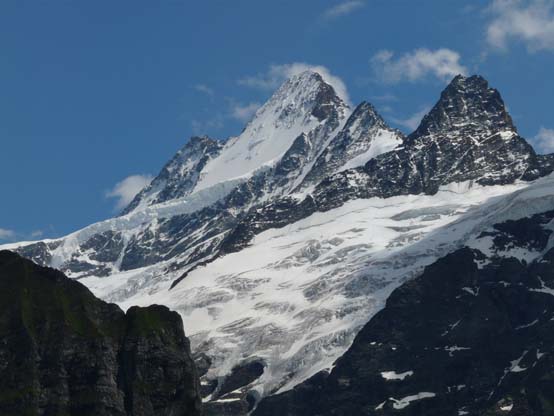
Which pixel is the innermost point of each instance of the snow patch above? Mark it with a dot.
(405, 402)
(392, 375)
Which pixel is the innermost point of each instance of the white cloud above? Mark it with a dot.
(531, 22)
(277, 74)
(126, 190)
(443, 64)
(342, 9)
(544, 140)
(207, 126)
(6, 234)
(385, 98)
(244, 112)
(37, 234)
(203, 88)
(412, 122)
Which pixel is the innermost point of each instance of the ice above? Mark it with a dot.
(405, 401)
(296, 297)
(393, 375)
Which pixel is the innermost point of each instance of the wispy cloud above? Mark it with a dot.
(125, 190)
(277, 74)
(342, 9)
(36, 234)
(387, 98)
(530, 22)
(6, 234)
(244, 112)
(235, 110)
(417, 65)
(203, 88)
(544, 140)
(206, 126)
(412, 122)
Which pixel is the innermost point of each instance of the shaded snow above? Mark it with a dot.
(405, 401)
(393, 375)
(383, 142)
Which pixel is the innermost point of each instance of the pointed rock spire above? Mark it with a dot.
(364, 136)
(467, 106)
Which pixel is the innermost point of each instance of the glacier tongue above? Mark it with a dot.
(296, 297)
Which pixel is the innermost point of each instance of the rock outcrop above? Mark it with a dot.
(65, 352)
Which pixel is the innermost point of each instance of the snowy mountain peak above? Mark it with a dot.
(303, 104)
(301, 97)
(468, 106)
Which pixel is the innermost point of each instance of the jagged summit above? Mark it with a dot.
(180, 175)
(469, 107)
(305, 103)
(305, 93)
(364, 136)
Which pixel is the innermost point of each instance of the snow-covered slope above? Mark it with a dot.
(278, 245)
(296, 297)
(471, 335)
(302, 104)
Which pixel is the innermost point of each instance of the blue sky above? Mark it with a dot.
(96, 92)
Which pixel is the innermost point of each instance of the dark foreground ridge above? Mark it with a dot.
(65, 352)
(473, 335)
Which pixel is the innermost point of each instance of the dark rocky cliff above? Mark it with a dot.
(65, 352)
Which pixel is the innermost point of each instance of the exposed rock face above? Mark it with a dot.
(473, 335)
(364, 136)
(469, 107)
(63, 351)
(180, 175)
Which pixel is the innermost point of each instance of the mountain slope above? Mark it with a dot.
(180, 175)
(472, 335)
(64, 351)
(364, 136)
(190, 227)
